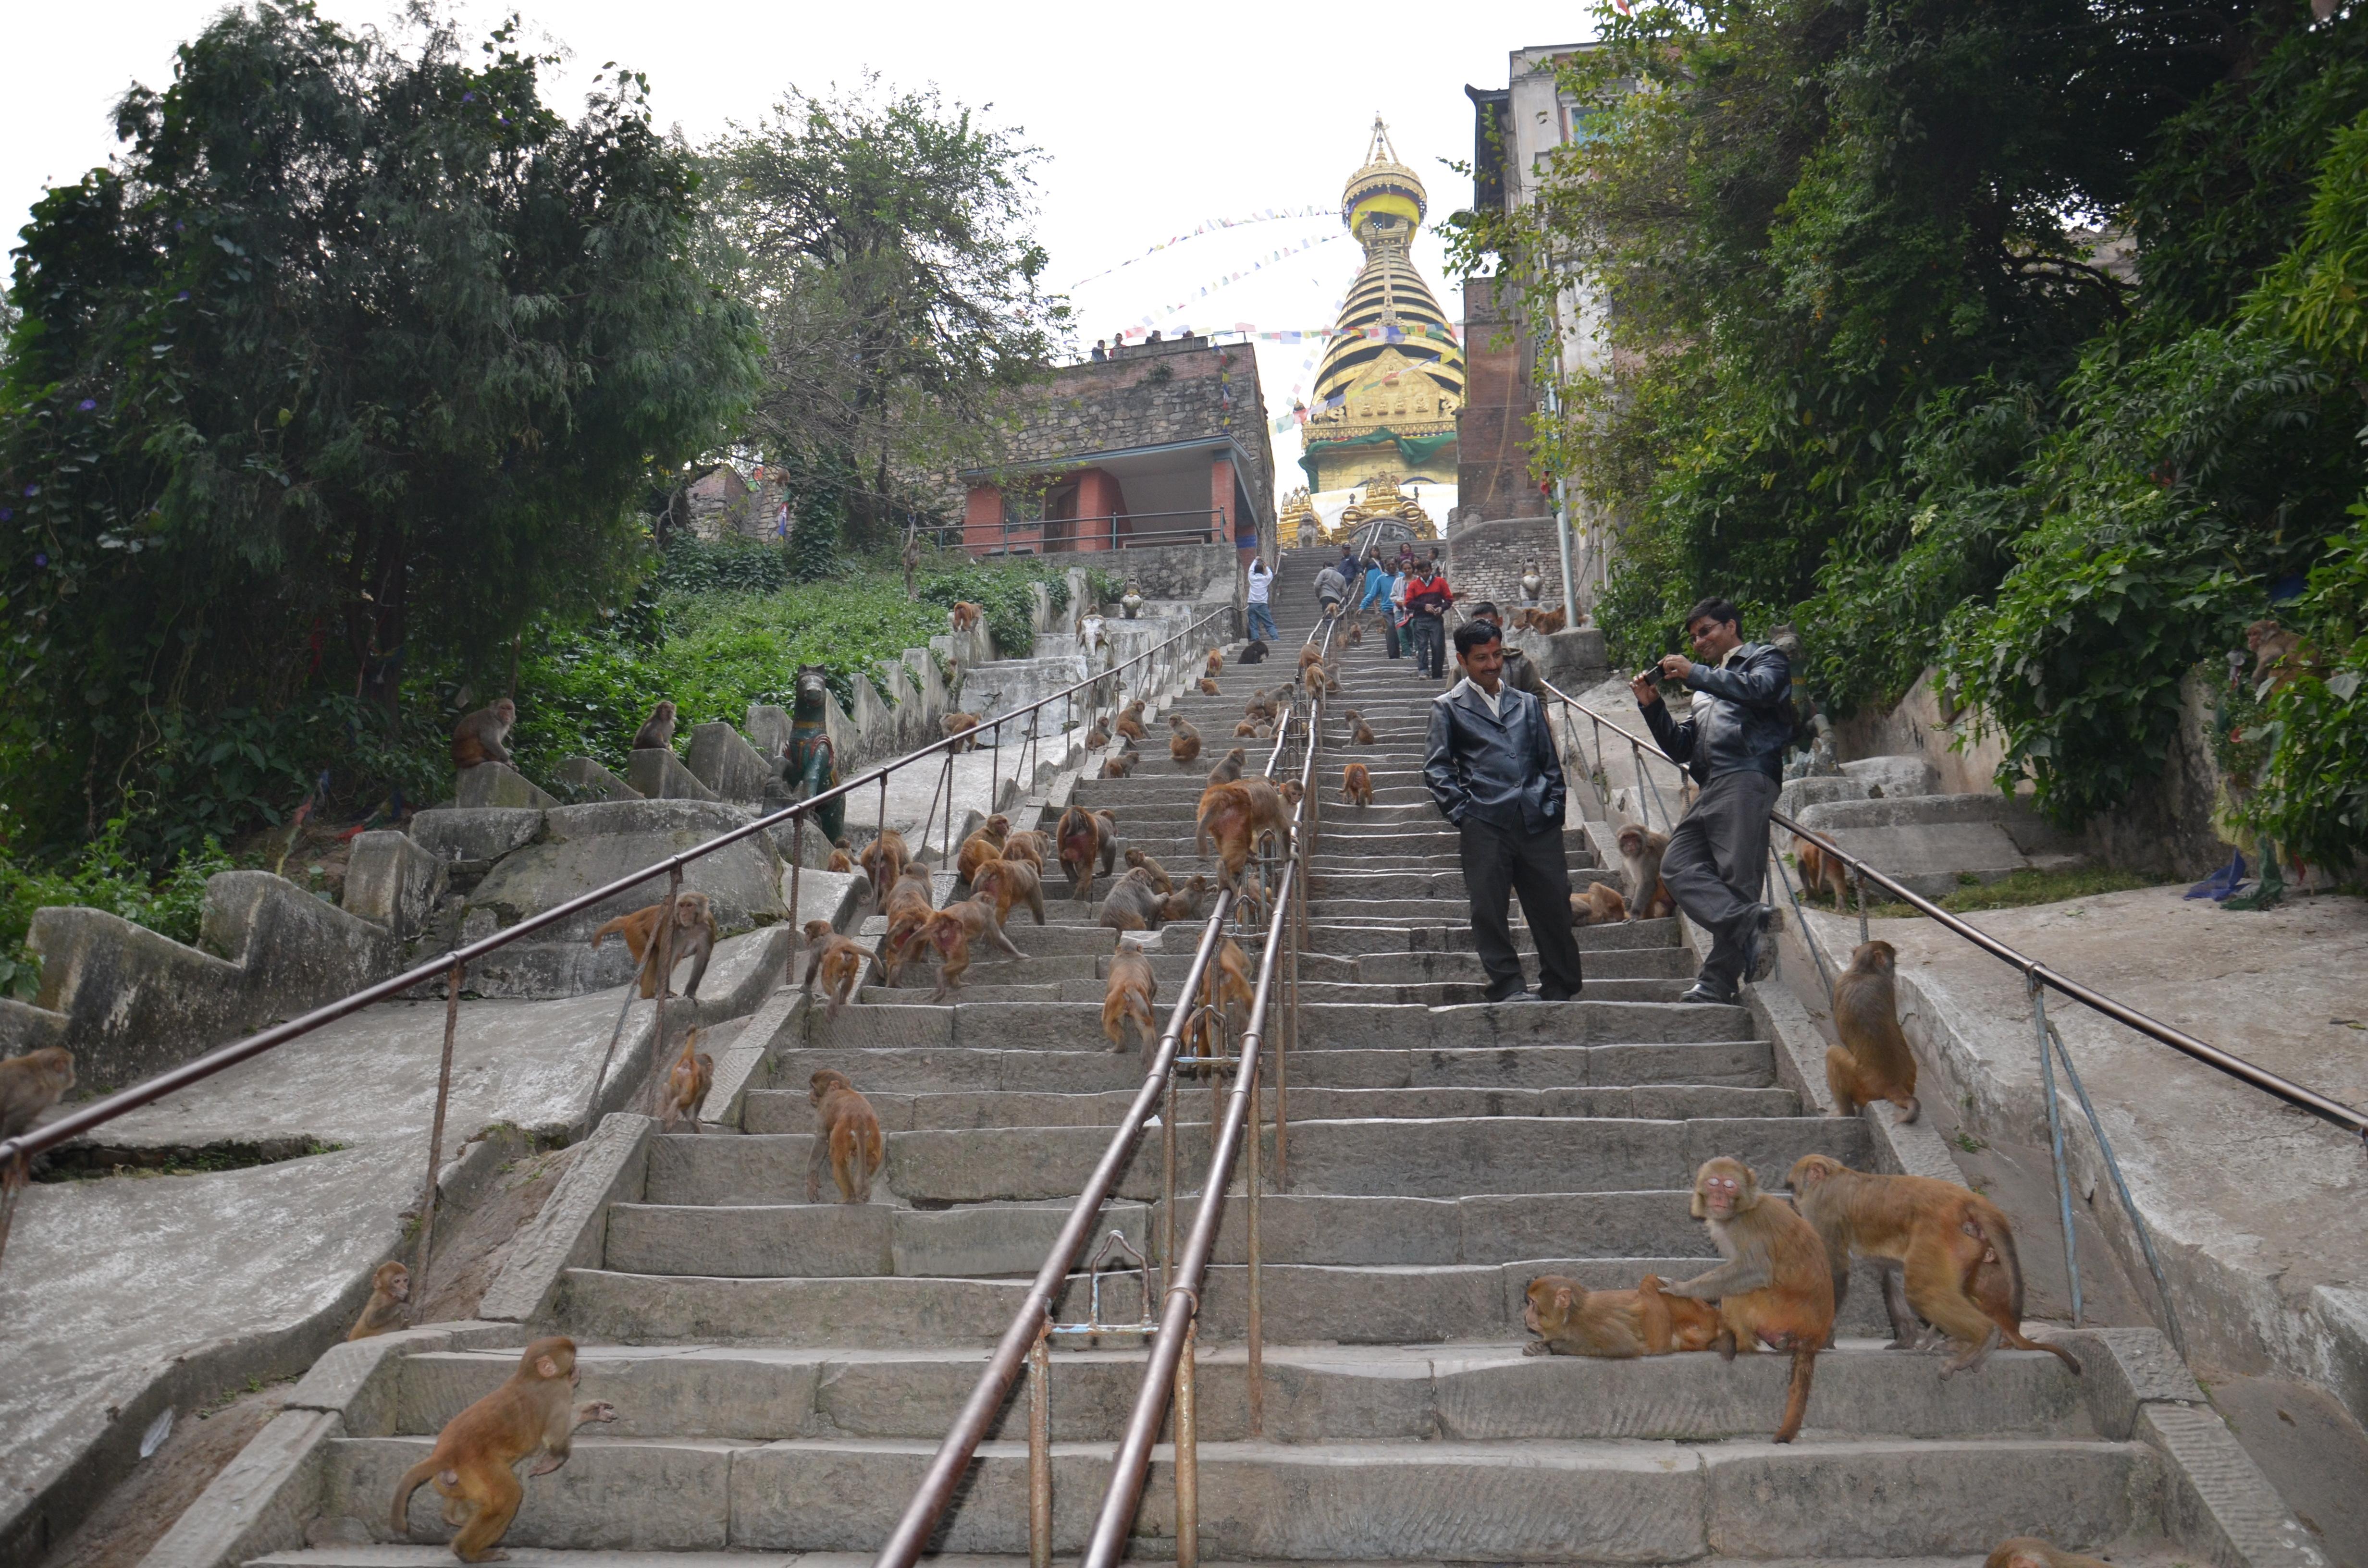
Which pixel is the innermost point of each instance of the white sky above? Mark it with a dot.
(1153, 120)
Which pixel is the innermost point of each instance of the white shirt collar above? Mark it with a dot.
(1496, 702)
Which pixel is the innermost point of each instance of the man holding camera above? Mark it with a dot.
(1734, 746)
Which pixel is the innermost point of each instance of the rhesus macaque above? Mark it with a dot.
(1097, 737)
(31, 1084)
(656, 732)
(1640, 854)
(1085, 837)
(1599, 904)
(2277, 653)
(1261, 708)
(471, 1465)
(1208, 687)
(1571, 1320)
(952, 930)
(1954, 1246)
(478, 737)
(1183, 742)
(982, 847)
(1158, 874)
(1262, 732)
(1130, 721)
(842, 858)
(1309, 655)
(1127, 999)
(1133, 903)
(908, 911)
(837, 961)
(1548, 620)
(1029, 845)
(1250, 904)
(1245, 729)
(847, 1135)
(694, 938)
(1775, 1288)
(884, 860)
(1230, 766)
(1291, 793)
(1189, 900)
(1008, 884)
(2029, 1552)
(1121, 763)
(1236, 814)
(389, 1289)
(1873, 1063)
(1233, 988)
(1361, 733)
(1216, 662)
(1821, 872)
(1357, 785)
(1321, 680)
(962, 724)
(962, 617)
(1356, 632)
(688, 1081)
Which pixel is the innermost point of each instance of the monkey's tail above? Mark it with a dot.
(2001, 1241)
(1796, 1398)
(401, 1518)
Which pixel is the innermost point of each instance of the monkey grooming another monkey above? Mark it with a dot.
(837, 961)
(1873, 1063)
(471, 1465)
(1126, 1004)
(478, 737)
(1599, 904)
(982, 847)
(846, 1134)
(1183, 742)
(883, 861)
(694, 938)
(1954, 1247)
(656, 732)
(2029, 1552)
(1133, 903)
(1084, 838)
(687, 1085)
(1230, 767)
(1157, 873)
(389, 1289)
(1571, 1320)
(1640, 855)
(1775, 1288)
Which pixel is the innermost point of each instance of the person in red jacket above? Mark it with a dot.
(1427, 597)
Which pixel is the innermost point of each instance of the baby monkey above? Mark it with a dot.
(1571, 1320)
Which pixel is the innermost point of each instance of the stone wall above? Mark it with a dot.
(1492, 470)
(1197, 574)
(1485, 559)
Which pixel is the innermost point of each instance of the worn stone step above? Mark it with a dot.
(1622, 1500)
(1362, 937)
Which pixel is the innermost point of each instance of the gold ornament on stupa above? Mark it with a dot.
(1383, 499)
(1296, 521)
(1391, 381)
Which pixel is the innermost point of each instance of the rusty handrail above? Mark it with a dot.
(2037, 973)
(49, 1134)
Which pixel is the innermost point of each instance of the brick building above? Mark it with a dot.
(1165, 443)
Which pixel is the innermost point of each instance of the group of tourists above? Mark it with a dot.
(1411, 597)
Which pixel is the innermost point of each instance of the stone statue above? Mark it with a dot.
(1532, 585)
(1131, 605)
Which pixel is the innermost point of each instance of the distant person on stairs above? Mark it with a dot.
(1331, 589)
(1261, 618)
(1491, 767)
(1426, 599)
(1734, 746)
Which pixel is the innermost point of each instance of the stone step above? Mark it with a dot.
(1362, 936)
(918, 985)
(1456, 1499)
(1414, 1156)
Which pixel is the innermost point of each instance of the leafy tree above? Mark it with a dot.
(884, 240)
(351, 363)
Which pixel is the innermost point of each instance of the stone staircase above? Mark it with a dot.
(783, 1371)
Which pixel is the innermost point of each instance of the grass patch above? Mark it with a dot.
(2016, 890)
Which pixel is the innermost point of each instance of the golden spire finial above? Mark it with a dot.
(1380, 150)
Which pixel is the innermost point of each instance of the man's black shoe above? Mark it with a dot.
(1522, 995)
(1703, 991)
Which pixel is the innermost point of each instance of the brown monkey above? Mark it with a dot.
(1357, 785)
(1097, 737)
(1121, 763)
(1873, 1063)
(1954, 1247)
(1027, 844)
(1599, 904)
(1133, 903)
(1250, 903)
(2277, 653)
(1245, 729)
(841, 857)
(656, 732)
(472, 1463)
(1208, 687)
(1187, 900)
(1260, 708)
(1640, 854)
(1230, 767)
(1130, 721)
(2029, 1552)
(478, 737)
(1234, 815)
(1216, 662)
(1158, 874)
(884, 860)
(837, 961)
(1008, 884)
(1127, 999)
(692, 1076)
(1084, 838)
(847, 1135)
(1356, 632)
(1263, 732)
(1233, 990)
(1309, 655)
(1571, 1320)
(908, 911)
(1359, 734)
(1775, 1288)
(963, 616)
(1290, 791)
(980, 848)
(694, 938)
(31, 1084)
(1183, 742)
(1548, 620)
(1821, 872)
(962, 724)
(949, 933)
(389, 1289)
(1673, 1322)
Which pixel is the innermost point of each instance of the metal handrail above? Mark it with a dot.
(2037, 973)
(98, 1112)
(1075, 538)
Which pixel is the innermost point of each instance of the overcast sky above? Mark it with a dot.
(1153, 119)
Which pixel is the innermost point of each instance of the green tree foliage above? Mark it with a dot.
(1876, 365)
(349, 365)
(883, 239)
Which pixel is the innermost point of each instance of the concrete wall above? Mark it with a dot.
(1492, 469)
(1484, 560)
(1198, 574)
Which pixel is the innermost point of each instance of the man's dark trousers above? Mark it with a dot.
(1390, 628)
(1716, 864)
(1498, 861)
(1430, 644)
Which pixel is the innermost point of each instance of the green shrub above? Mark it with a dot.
(107, 876)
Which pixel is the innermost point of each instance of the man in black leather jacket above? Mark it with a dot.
(1734, 746)
(1493, 771)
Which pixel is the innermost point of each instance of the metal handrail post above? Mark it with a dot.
(2055, 1141)
(1188, 1453)
(436, 1133)
(1040, 1448)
